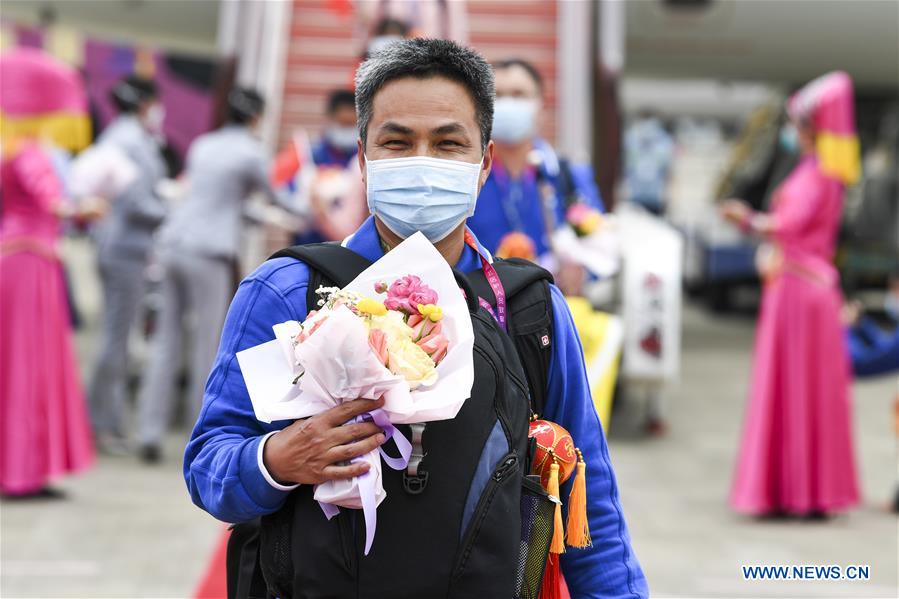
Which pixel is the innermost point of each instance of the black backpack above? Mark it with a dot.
(481, 526)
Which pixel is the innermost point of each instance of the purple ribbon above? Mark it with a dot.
(366, 482)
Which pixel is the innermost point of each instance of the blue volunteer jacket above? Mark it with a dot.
(506, 205)
(223, 474)
(873, 350)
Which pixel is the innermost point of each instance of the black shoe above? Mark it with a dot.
(817, 516)
(46, 493)
(150, 454)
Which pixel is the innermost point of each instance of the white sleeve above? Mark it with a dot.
(265, 472)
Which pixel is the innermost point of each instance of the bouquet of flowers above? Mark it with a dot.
(590, 239)
(103, 170)
(404, 337)
(404, 331)
(583, 219)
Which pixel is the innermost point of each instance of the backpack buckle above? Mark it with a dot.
(415, 485)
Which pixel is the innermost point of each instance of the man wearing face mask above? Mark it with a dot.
(338, 143)
(124, 239)
(529, 187)
(425, 111)
(197, 247)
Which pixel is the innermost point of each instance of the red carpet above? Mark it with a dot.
(214, 584)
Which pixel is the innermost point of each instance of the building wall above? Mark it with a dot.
(325, 47)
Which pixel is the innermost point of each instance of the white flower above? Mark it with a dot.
(411, 362)
(404, 357)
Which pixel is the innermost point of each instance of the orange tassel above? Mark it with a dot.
(552, 579)
(578, 529)
(558, 542)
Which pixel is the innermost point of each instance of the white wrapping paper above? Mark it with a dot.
(338, 365)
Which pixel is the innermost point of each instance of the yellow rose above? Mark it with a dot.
(430, 311)
(369, 306)
(591, 223)
(411, 362)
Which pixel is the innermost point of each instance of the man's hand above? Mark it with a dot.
(570, 278)
(736, 211)
(314, 450)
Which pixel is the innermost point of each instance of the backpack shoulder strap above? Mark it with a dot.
(516, 275)
(530, 317)
(330, 264)
(567, 186)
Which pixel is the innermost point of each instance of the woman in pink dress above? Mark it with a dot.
(796, 457)
(44, 425)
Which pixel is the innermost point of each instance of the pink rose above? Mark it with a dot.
(435, 345)
(309, 330)
(397, 303)
(378, 342)
(577, 213)
(422, 327)
(406, 293)
(403, 286)
(423, 296)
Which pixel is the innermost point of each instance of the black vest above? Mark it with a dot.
(463, 534)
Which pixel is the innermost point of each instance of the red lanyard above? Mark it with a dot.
(495, 284)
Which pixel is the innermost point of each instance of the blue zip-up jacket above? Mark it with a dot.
(221, 465)
(873, 350)
(505, 206)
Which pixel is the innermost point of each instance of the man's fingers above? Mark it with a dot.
(343, 472)
(353, 432)
(345, 411)
(342, 453)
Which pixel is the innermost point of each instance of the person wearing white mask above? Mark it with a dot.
(196, 250)
(425, 111)
(338, 142)
(530, 186)
(124, 239)
(386, 31)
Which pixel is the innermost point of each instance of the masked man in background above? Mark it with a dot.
(529, 187)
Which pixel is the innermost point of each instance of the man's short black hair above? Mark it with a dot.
(424, 58)
(244, 105)
(341, 97)
(132, 91)
(527, 66)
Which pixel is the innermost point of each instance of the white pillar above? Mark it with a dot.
(612, 32)
(229, 27)
(573, 89)
(257, 34)
(274, 48)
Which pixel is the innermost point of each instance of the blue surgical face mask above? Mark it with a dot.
(789, 138)
(514, 119)
(420, 193)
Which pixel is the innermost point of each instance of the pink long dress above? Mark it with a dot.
(44, 426)
(797, 451)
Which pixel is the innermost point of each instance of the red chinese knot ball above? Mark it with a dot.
(551, 436)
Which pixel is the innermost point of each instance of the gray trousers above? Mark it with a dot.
(123, 290)
(195, 292)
